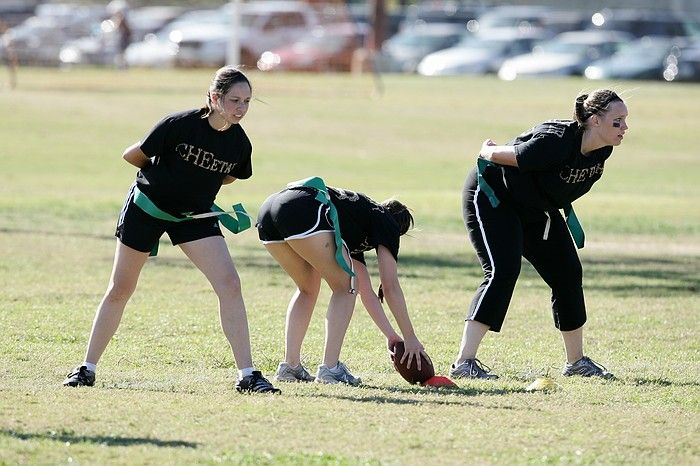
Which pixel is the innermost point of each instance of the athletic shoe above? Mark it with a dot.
(472, 369)
(80, 376)
(338, 374)
(256, 383)
(287, 373)
(586, 367)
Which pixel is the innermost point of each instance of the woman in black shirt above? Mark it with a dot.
(511, 209)
(298, 227)
(183, 162)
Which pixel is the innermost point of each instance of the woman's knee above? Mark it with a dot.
(227, 285)
(309, 283)
(505, 274)
(120, 291)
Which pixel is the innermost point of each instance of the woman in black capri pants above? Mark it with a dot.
(511, 207)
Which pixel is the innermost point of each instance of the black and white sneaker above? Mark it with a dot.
(80, 376)
(472, 369)
(256, 383)
(586, 367)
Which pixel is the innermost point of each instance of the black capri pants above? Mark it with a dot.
(501, 237)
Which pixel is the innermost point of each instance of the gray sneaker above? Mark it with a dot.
(472, 369)
(586, 367)
(287, 373)
(338, 374)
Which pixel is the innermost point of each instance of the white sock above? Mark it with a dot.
(245, 372)
(90, 366)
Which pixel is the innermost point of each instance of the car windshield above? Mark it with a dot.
(482, 44)
(643, 51)
(321, 41)
(562, 47)
(412, 40)
(191, 19)
(249, 19)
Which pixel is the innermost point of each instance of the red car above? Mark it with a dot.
(325, 48)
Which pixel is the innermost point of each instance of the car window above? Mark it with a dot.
(284, 20)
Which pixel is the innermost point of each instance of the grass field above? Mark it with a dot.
(165, 393)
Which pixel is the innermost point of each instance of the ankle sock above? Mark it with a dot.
(90, 366)
(245, 372)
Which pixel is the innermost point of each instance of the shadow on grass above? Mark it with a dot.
(619, 274)
(360, 397)
(645, 276)
(111, 441)
(638, 276)
(71, 234)
(663, 382)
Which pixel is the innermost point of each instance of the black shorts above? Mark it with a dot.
(140, 231)
(292, 214)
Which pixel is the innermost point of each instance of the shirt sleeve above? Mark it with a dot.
(385, 231)
(244, 168)
(155, 142)
(541, 152)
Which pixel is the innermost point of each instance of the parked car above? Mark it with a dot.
(38, 40)
(685, 66)
(325, 48)
(480, 53)
(264, 25)
(510, 16)
(441, 12)
(527, 17)
(566, 54)
(645, 58)
(102, 47)
(640, 23)
(14, 12)
(403, 51)
(158, 49)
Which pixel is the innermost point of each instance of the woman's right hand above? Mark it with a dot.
(486, 152)
(413, 349)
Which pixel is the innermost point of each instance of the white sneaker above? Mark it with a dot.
(338, 374)
(287, 373)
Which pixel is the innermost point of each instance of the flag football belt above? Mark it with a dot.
(571, 220)
(237, 223)
(324, 197)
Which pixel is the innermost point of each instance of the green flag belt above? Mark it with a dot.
(236, 223)
(571, 220)
(324, 197)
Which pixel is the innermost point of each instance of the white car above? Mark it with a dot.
(480, 53)
(264, 25)
(158, 50)
(567, 54)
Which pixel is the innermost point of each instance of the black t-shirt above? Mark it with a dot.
(190, 161)
(551, 171)
(364, 224)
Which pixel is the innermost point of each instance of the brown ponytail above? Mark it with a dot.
(595, 103)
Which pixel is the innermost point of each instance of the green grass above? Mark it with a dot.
(165, 385)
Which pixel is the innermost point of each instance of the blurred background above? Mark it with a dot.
(637, 39)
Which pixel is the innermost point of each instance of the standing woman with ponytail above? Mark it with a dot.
(183, 162)
(511, 208)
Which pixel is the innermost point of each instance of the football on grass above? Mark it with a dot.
(412, 374)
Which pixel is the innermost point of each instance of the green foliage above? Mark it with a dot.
(165, 393)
